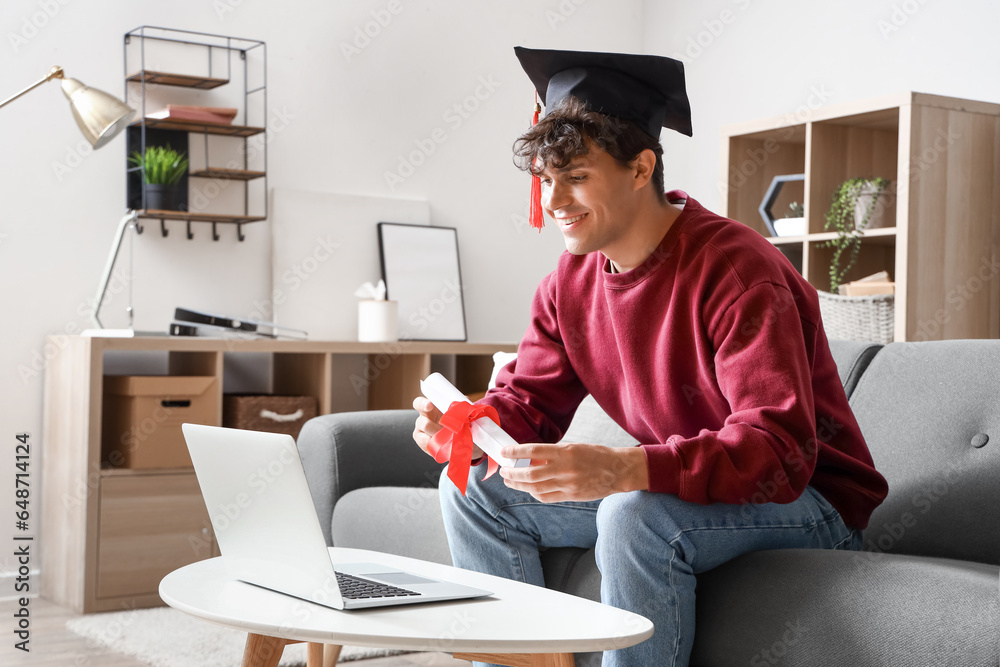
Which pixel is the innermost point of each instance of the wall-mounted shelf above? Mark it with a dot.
(181, 80)
(194, 60)
(199, 217)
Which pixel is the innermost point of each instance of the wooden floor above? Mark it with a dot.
(52, 645)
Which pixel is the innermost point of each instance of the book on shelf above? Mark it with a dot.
(875, 284)
(212, 115)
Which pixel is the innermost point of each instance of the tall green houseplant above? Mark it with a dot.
(842, 219)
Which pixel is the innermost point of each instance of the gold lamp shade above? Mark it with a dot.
(99, 115)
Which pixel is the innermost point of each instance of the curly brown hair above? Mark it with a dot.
(563, 133)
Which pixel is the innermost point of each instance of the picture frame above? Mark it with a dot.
(422, 272)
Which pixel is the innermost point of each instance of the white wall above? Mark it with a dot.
(343, 123)
(747, 59)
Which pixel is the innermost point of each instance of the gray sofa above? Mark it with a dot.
(925, 590)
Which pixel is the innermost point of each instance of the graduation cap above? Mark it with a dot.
(646, 90)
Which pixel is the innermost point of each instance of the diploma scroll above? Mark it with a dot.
(485, 433)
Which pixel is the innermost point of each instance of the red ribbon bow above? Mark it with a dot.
(453, 443)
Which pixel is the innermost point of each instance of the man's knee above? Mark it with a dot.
(625, 516)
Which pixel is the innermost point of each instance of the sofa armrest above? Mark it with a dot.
(352, 450)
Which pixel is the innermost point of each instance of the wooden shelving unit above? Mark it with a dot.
(111, 534)
(942, 155)
(148, 131)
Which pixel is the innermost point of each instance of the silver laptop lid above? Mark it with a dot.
(262, 512)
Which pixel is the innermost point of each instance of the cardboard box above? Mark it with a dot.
(142, 418)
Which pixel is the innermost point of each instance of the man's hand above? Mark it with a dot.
(429, 423)
(576, 472)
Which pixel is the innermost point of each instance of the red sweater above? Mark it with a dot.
(712, 354)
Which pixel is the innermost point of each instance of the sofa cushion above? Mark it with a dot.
(852, 358)
(398, 520)
(592, 425)
(821, 607)
(931, 417)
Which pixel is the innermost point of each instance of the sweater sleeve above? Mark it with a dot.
(766, 449)
(537, 394)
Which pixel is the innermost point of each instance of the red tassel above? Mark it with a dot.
(535, 217)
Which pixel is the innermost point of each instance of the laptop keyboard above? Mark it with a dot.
(356, 588)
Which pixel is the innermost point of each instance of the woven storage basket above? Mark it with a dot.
(264, 412)
(862, 318)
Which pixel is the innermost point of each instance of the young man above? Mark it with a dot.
(694, 334)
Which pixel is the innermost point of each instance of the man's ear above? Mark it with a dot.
(642, 168)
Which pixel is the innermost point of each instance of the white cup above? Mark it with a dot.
(378, 321)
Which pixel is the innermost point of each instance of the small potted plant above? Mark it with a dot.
(852, 210)
(163, 168)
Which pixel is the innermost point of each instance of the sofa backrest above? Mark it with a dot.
(930, 412)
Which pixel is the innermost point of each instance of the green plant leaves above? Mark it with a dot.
(840, 218)
(162, 165)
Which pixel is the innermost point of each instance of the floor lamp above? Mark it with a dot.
(100, 117)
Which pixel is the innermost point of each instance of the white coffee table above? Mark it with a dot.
(520, 625)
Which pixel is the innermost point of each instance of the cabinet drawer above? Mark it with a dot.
(150, 525)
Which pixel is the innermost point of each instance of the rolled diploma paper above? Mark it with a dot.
(485, 433)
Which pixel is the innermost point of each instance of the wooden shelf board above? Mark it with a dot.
(884, 235)
(782, 133)
(198, 217)
(109, 471)
(786, 240)
(230, 174)
(883, 119)
(181, 80)
(206, 128)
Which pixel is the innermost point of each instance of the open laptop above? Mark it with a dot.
(268, 531)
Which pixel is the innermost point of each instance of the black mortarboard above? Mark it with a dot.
(646, 90)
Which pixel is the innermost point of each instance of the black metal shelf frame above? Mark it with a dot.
(209, 41)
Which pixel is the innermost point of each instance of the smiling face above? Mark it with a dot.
(593, 199)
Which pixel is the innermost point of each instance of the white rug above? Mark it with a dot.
(165, 637)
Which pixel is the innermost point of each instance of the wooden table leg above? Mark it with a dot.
(263, 651)
(520, 659)
(331, 653)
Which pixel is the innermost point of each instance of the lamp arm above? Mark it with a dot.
(127, 219)
(54, 73)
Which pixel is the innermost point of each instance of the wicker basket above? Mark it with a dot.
(862, 318)
(264, 412)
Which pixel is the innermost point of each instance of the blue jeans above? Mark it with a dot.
(649, 546)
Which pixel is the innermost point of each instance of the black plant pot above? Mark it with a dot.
(163, 197)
